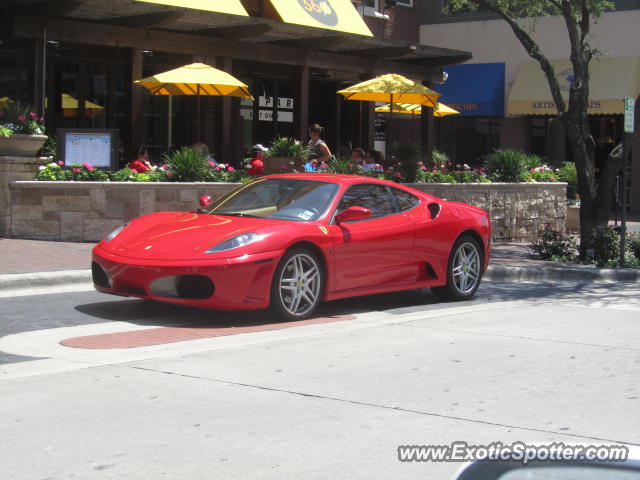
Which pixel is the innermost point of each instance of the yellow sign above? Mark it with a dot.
(232, 7)
(338, 15)
(610, 80)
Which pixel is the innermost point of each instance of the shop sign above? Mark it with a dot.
(267, 102)
(629, 113)
(283, 116)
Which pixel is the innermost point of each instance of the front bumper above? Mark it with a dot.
(237, 283)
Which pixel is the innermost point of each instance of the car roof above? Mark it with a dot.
(331, 177)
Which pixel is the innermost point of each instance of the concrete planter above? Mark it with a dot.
(21, 145)
(86, 211)
(274, 164)
(572, 223)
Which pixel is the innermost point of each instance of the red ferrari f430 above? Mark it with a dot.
(290, 241)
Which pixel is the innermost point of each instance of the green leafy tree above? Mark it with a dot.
(578, 16)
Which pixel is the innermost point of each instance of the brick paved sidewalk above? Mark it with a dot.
(28, 256)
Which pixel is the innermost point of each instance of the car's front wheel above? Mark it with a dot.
(464, 270)
(296, 288)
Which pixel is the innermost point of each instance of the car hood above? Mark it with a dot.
(176, 236)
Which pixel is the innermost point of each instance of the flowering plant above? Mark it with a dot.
(16, 117)
(85, 172)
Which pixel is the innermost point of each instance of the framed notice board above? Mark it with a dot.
(99, 147)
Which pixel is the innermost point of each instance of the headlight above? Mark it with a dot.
(235, 242)
(113, 234)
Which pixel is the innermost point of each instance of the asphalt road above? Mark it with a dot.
(522, 362)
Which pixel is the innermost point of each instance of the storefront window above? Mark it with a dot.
(466, 140)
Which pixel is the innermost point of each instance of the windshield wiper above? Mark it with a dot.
(235, 214)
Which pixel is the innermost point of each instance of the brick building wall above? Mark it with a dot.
(403, 23)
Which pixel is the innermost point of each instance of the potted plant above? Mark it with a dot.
(285, 154)
(21, 131)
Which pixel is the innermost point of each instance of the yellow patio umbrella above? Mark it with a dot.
(391, 88)
(441, 110)
(70, 107)
(195, 79)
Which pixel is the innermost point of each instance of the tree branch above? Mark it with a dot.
(532, 49)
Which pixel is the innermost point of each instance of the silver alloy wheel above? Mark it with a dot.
(466, 268)
(299, 284)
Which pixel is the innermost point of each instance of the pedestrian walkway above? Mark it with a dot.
(30, 256)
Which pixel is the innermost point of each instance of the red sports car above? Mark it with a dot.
(289, 241)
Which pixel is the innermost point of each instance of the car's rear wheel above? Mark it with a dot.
(464, 270)
(296, 288)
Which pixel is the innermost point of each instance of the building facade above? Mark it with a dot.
(521, 113)
(293, 55)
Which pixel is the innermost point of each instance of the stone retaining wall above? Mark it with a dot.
(86, 211)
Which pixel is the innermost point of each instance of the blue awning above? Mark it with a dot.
(474, 89)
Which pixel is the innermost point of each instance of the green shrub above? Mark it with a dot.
(434, 176)
(407, 155)
(605, 242)
(20, 118)
(555, 245)
(440, 159)
(53, 172)
(288, 147)
(633, 244)
(343, 165)
(507, 165)
(470, 176)
(186, 165)
(567, 173)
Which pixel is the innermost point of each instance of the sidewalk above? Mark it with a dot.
(33, 263)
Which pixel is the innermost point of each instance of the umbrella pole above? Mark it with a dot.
(198, 139)
(390, 130)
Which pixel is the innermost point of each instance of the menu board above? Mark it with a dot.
(96, 147)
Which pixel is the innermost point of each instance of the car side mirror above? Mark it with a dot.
(353, 213)
(205, 200)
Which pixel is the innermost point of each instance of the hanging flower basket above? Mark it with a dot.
(21, 145)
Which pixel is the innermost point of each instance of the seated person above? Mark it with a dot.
(141, 163)
(256, 166)
(358, 157)
(204, 150)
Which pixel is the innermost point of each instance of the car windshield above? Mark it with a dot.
(277, 198)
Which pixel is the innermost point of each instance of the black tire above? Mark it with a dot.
(297, 285)
(464, 270)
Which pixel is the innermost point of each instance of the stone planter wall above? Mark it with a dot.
(13, 168)
(86, 211)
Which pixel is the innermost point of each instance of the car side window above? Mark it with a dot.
(405, 200)
(376, 198)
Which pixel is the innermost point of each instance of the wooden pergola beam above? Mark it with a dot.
(320, 43)
(190, 44)
(46, 9)
(236, 32)
(146, 20)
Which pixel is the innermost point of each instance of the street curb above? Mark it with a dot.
(570, 273)
(495, 273)
(15, 281)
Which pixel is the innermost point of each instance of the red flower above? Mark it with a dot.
(21, 118)
(60, 162)
(230, 169)
(88, 166)
(212, 164)
(217, 169)
(423, 168)
(76, 170)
